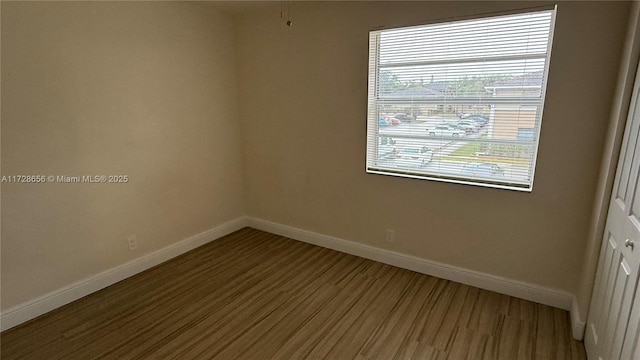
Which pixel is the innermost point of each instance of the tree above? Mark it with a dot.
(389, 82)
(473, 85)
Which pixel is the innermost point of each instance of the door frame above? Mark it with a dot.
(608, 166)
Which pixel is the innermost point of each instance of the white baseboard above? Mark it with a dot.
(577, 322)
(546, 296)
(50, 301)
(43, 304)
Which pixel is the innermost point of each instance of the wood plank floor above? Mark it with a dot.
(255, 295)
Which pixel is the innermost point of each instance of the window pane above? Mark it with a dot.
(459, 101)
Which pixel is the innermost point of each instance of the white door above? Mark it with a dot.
(631, 347)
(608, 327)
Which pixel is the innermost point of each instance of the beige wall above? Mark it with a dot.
(303, 110)
(143, 89)
(149, 90)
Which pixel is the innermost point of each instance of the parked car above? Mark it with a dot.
(467, 126)
(387, 140)
(393, 120)
(463, 129)
(404, 117)
(478, 117)
(386, 148)
(414, 156)
(383, 122)
(459, 129)
(482, 169)
(386, 152)
(445, 131)
(479, 123)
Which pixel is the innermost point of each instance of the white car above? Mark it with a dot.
(445, 131)
(386, 152)
(468, 126)
(413, 157)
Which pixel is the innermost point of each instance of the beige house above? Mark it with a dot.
(512, 121)
(415, 109)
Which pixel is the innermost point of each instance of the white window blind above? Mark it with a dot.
(459, 101)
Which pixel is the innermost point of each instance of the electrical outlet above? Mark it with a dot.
(391, 236)
(133, 242)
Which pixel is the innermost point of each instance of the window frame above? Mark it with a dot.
(373, 101)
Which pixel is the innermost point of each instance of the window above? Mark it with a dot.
(525, 134)
(459, 101)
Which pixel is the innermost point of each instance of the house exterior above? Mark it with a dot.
(510, 121)
(415, 109)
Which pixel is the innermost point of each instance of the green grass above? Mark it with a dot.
(468, 152)
(468, 149)
(513, 162)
